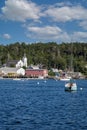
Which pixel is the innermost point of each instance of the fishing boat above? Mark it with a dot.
(71, 85)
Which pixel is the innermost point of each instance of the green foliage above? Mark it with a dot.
(50, 55)
(51, 73)
(24, 67)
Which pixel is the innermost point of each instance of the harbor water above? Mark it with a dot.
(42, 105)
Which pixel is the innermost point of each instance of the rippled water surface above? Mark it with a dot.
(42, 105)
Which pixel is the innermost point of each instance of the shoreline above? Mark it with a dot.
(49, 77)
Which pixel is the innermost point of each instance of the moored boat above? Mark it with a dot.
(65, 78)
(16, 79)
(71, 86)
(40, 77)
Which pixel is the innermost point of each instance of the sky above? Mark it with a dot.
(33, 21)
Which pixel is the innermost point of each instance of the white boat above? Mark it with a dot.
(71, 86)
(16, 79)
(40, 77)
(65, 78)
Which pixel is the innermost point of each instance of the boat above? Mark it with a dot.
(16, 79)
(71, 85)
(40, 77)
(65, 78)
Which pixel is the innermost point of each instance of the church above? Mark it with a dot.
(14, 68)
(22, 62)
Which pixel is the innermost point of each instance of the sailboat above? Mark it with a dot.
(71, 85)
(65, 78)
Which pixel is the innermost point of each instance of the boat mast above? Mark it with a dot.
(71, 63)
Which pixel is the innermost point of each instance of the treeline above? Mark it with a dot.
(50, 55)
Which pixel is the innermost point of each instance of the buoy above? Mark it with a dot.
(81, 88)
(45, 81)
(38, 83)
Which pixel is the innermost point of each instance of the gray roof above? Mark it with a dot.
(8, 70)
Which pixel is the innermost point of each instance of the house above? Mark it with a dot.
(36, 72)
(12, 71)
(18, 63)
(21, 71)
(11, 63)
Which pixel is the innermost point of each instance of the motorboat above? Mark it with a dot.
(71, 86)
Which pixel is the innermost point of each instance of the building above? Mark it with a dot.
(19, 64)
(36, 73)
(22, 62)
(12, 72)
(21, 71)
(11, 63)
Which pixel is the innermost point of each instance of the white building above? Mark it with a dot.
(21, 71)
(22, 62)
(19, 64)
(12, 71)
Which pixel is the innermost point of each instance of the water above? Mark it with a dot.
(42, 105)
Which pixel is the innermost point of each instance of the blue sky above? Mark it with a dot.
(43, 20)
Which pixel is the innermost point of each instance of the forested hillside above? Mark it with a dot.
(51, 55)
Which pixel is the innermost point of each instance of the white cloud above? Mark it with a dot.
(54, 33)
(20, 10)
(80, 35)
(6, 36)
(62, 4)
(23, 10)
(47, 33)
(83, 24)
(66, 13)
(47, 29)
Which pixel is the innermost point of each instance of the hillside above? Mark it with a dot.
(51, 55)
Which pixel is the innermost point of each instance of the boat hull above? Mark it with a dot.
(70, 88)
(65, 79)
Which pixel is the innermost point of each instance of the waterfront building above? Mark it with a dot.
(36, 72)
(12, 71)
(21, 71)
(19, 64)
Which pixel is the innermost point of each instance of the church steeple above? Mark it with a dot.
(25, 60)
